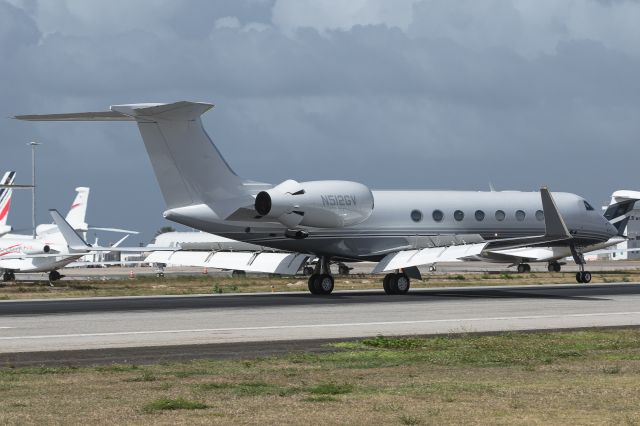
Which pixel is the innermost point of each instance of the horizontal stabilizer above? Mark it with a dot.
(77, 116)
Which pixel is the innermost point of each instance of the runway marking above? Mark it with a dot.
(6, 327)
(281, 327)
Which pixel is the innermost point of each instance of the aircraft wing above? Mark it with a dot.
(426, 256)
(273, 263)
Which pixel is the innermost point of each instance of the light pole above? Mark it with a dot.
(33, 182)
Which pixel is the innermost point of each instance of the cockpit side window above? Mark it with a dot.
(587, 205)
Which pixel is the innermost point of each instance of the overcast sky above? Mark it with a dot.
(433, 94)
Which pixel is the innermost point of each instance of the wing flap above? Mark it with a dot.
(427, 256)
(273, 263)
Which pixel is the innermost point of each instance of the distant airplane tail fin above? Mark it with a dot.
(189, 168)
(5, 201)
(78, 211)
(617, 213)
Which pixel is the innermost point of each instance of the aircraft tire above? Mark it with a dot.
(401, 283)
(579, 277)
(554, 267)
(54, 275)
(323, 284)
(6, 277)
(311, 283)
(586, 277)
(386, 283)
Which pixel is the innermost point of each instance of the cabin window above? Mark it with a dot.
(437, 215)
(540, 215)
(416, 215)
(587, 205)
(458, 215)
(500, 215)
(520, 215)
(479, 215)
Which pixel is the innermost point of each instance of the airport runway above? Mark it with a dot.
(133, 322)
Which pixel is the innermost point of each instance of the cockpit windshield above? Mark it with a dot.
(587, 205)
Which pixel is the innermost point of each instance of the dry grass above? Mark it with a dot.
(205, 284)
(587, 377)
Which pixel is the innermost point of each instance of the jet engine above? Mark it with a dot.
(35, 248)
(319, 204)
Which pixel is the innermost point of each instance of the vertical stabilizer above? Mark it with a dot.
(78, 210)
(5, 201)
(188, 166)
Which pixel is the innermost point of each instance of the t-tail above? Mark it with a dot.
(78, 210)
(617, 213)
(5, 201)
(190, 170)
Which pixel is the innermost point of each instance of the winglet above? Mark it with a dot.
(71, 237)
(554, 223)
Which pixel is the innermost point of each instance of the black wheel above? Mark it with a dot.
(386, 283)
(311, 283)
(401, 283)
(579, 277)
(586, 277)
(54, 276)
(527, 267)
(238, 273)
(6, 276)
(323, 284)
(12, 276)
(554, 267)
(522, 268)
(307, 270)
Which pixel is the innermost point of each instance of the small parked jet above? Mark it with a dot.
(343, 220)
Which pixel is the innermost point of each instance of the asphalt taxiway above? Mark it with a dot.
(289, 320)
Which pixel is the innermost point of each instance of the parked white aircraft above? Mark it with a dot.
(43, 255)
(5, 201)
(342, 220)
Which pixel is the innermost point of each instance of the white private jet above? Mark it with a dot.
(25, 255)
(343, 220)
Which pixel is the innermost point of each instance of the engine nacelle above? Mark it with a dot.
(319, 204)
(35, 248)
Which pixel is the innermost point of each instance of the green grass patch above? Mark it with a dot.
(163, 404)
(331, 389)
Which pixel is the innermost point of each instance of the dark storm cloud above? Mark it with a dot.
(429, 94)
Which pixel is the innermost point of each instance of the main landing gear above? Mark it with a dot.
(554, 267)
(582, 277)
(8, 276)
(321, 281)
(396, 283)
(524, 267)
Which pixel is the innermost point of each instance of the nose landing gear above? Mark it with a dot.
(524, 267)
(8, 276)
(582, 277)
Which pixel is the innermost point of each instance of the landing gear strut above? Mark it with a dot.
(397, 283)
(583, 277)
(524, 267)
(321, 281)
(8, 276)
